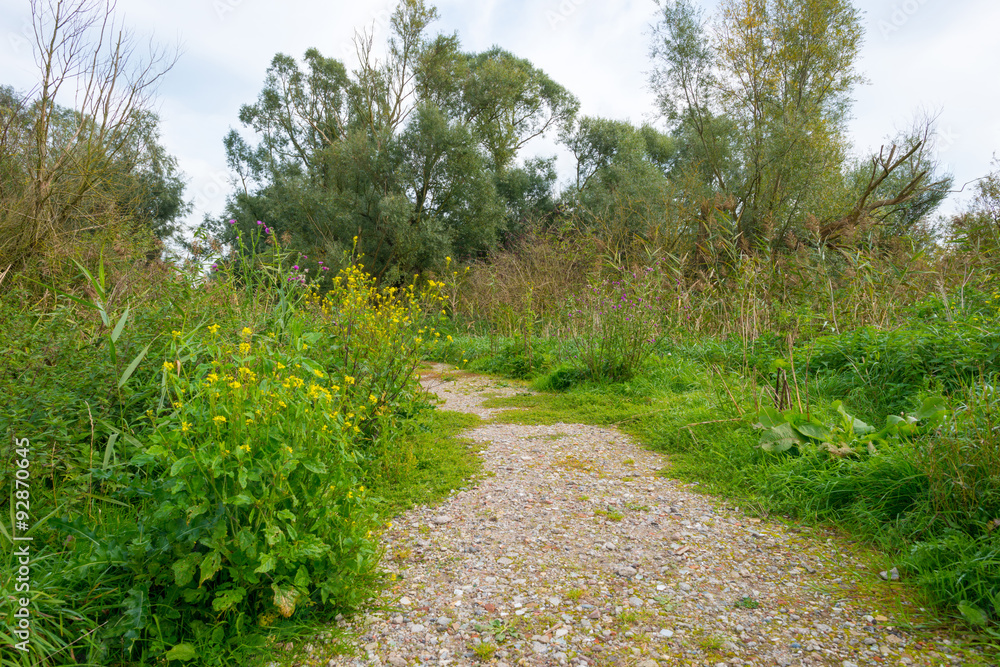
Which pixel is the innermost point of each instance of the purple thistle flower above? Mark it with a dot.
(259, 222)
(232, 222)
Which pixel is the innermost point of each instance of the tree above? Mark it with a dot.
(409, 159)
(977, 229)
(759, 100)
(64, 164)
(621, 188)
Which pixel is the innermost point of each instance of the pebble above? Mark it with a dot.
(520, 562)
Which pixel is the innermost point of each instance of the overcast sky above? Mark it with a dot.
(920, 56)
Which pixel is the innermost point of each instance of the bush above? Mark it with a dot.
(209, 462)
(615, 325)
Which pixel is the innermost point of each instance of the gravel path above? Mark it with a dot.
(573, 550)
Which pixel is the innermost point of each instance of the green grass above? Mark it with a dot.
(443, 462)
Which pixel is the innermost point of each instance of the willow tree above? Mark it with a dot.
(414, 153)
(760, 97)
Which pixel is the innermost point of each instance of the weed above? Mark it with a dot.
(747, 602)
(609, 514)
(485, 650)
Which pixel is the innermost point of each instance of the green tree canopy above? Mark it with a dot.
(414, 154)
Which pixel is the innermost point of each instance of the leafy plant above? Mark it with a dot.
(791, 429)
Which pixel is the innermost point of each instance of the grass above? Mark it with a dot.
(442, 463)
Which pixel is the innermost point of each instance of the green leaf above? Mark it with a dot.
(933, 406)
(861, 428)
(315, 467)
(972, 614)
(132, 366)
(814, 431)
(182, 652)
(181, 465)
(211, 564)
(158, 451)
(109, 450)
(121, 325)
(267, 563)
(302, 579)
(228, 599)
(781, 438)
(285, 598)
(769, 418)
(184, 569)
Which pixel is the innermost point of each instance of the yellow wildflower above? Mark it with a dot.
(219, 419)
(185, 427)
(213, 329)
(246, 332)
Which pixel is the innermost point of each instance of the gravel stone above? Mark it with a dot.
(529, 558)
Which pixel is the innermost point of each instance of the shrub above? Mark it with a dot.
(615, 325)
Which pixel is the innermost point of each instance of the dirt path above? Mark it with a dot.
(573, 550)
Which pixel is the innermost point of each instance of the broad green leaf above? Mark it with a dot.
(157, 450)
(315, 467)
(302, 579)
(971, 613)
(181, 465)
(781, 438)
(267, 563)
(861, 428)
(932, 406)
(285, 598)
(814, 431)
(182, 652)
(184, 569)
(769, 418)
(210, 564)
(228, 599)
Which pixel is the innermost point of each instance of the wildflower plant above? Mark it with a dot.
(376, 337)
(615, 324)
(259, 462)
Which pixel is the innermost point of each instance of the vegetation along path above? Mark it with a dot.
(574, 549)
